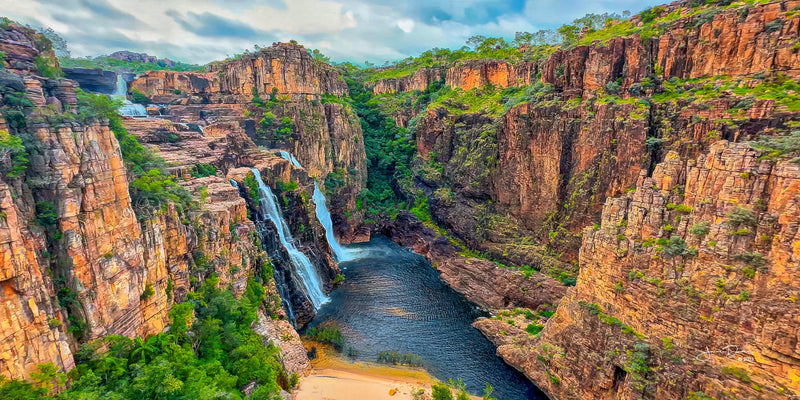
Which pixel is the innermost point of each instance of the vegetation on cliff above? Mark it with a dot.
(389, 149)
(209, 352)
(115, 64)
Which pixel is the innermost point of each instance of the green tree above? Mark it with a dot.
(569, 35)
(13, 157)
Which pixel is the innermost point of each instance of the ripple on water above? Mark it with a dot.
(393, 299)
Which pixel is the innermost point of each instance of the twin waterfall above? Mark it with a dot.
(301, 264)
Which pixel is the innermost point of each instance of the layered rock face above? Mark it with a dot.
(681, 293)
(479, 73)
(570, 152)
(230, 150)
(278, 88)
(732, 43)
(420, 80)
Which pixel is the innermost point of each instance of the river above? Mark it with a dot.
(392, 299)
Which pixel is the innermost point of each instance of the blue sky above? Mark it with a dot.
(200, 31)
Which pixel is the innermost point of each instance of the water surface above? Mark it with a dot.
(393, 299)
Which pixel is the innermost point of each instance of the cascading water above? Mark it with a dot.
(324, 216)
(128, 109)
(282, 289)
(122, 87)
(288, 156)
(302, 265)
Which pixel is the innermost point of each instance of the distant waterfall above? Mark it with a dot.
(324, 217)
(302, 265)
(122, 87)
(288, 156)
(128, 109)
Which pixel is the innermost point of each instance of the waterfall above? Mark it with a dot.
(128, 109)
(324, 217)
(288, 156)
(122, 87)
(302, 265)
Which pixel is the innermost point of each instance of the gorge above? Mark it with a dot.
(611, 215)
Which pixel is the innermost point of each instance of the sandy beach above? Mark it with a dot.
(335, 378)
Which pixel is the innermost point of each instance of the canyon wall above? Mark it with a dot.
(80, 259)
(283, 99)
(682, 293)
(548, 163)
(646, 140)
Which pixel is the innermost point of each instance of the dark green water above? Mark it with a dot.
(393, 299)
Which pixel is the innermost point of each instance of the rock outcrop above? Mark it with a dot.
(547, 165)
(481, 282)
(682, 293)
(729, 42)
(419, 80)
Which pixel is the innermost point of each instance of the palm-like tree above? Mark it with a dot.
(142, 349)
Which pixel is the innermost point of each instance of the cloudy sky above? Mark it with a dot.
(200, 31)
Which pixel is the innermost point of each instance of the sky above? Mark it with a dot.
(200, 31)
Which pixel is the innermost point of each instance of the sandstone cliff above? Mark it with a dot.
(672, 285)
(284, 99)
(601, 113)
(80, 260)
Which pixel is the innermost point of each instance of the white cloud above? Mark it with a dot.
(406, 25)
(200, 31)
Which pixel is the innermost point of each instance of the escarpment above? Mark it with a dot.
(282, 98)
(90, 249)
(576, 127)
(647, 138)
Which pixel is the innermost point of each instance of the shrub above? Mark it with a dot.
(700, 229)
(677, 248)
(339, 279)
(534, 329)
(441, 392)
(754, 259)
(202, 170)
(148, 292)
(13, 157)
(741, 216)
(47, 67)
(650, 14)
(329, 335)
(46, 213)
(139, 97)
(780, 146)
(290, 186)
(742, 232)
(739, 373)
(773, 26)
(396, 358)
